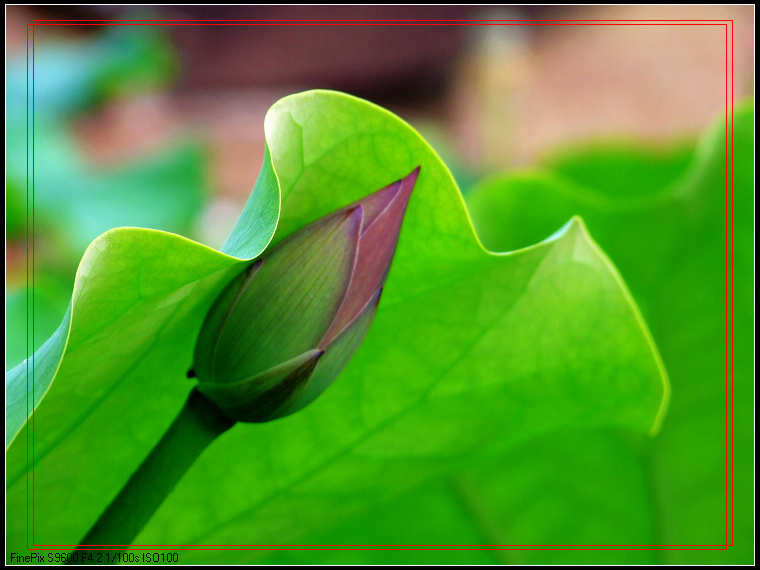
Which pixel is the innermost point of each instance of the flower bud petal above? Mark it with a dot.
(263, 397)
(283, 306)
(383, 214)
(282, 330)
(336, 356)
(208, 339)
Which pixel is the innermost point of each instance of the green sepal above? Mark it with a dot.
(282, 308)
(336, 357)
(262, 398)
(208, 338)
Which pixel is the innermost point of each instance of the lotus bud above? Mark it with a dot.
(280, 333)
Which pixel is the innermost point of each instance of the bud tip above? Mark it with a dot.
(377, 296)
(355, 210)
(408, 182)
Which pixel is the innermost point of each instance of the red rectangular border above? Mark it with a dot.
(729, 299)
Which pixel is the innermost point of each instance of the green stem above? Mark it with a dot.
(198, 424)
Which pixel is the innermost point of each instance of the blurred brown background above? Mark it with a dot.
(488, 98)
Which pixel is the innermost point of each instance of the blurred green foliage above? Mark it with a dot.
(74, 200)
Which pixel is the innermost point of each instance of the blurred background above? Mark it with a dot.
(163, 126)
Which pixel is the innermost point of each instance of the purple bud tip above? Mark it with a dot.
(376, 299)
(383, 214)
(356, 210)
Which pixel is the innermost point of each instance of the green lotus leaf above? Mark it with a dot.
(604, 486)
(471, 354)
(669, 240)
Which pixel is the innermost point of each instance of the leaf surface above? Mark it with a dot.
(669, 239)
(470, 354)
(606, 486)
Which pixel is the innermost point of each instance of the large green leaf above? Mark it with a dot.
(603, 486)
(471, 353)
(74, 200)
(669, 240)
(562, 488)
(51, 294)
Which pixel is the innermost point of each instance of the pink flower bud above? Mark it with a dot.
(282, 330)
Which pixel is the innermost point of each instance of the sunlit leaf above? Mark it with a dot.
(668, 237)
(52, 293)
(470, 354)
